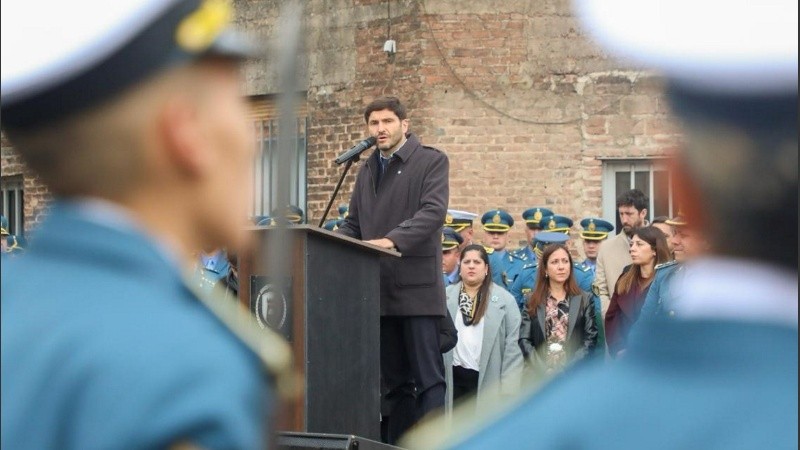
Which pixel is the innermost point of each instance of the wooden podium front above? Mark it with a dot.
(329, 311)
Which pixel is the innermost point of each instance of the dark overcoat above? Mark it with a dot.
(408, 207)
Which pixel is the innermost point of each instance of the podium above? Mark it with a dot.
(329, 311)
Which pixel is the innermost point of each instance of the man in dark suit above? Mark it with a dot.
(399, 202)
(722, 372)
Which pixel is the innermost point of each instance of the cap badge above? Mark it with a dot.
(496, 218)
(442, 237)
(537, 216)
(551, 224)
(592, 226)
(448, 219)
(199, 29)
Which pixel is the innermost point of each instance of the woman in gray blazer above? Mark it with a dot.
(487, 359)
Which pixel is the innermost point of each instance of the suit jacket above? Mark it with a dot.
(581, 332)
(501, 359)
(710, 384)
(614, 255)
(408, 207)
(105, 346)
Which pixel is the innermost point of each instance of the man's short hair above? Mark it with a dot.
(635, 198)
(391, 103)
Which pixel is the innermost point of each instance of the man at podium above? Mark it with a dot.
(399, 202)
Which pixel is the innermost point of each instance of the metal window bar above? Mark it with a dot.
(265, 172)
(13, 206)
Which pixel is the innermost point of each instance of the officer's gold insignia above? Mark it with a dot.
(199, 29)
(448, 219)
(551, 224)
(537, 216)
(592, 226)
(496, 218)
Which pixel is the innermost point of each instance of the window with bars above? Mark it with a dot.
(651, 176)
(12, 204)
(265, 170)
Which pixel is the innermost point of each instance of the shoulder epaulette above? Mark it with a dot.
(519, 254)
(666, 264)
(581, 266)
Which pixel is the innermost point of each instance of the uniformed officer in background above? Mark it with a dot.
(332, 224)
(130, 111)
(593, 233)
(687, 244)
(343, 209)
(505, 266)
(562, 224)
(15, 245)
(451, 253)
(291, 213)
(461, 221)
(526, 281)
(533, 225)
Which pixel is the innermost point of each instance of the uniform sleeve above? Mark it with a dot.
(433, 206)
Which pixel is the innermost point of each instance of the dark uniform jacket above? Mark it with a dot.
(408, 207)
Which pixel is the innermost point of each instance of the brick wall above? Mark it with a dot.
(523, 104)
(36, 194)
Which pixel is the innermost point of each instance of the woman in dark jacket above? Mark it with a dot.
(648, 248)
(558, 324)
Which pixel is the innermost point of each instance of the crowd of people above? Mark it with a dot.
(558, 316)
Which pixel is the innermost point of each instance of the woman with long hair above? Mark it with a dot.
(558, 324)
(648, 248)
(487, 359)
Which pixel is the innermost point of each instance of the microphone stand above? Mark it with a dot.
(336, 189)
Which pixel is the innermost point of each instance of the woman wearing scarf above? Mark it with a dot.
(487, 358)
(558, 324)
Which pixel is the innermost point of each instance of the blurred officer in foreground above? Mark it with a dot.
(505, 266)
(723, 373)
(130, 112)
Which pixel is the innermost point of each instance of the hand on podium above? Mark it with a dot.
(382, 242)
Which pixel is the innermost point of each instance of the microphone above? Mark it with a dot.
(356, 150)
